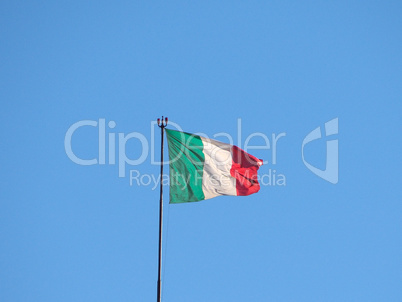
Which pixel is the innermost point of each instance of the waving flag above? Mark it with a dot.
(202, 168)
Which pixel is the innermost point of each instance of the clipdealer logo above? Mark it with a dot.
(111, 144)
(331, 171)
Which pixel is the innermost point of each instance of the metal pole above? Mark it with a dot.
(162, 124)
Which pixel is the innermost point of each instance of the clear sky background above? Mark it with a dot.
(81, 233)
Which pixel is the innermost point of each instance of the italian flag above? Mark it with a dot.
(202, 168)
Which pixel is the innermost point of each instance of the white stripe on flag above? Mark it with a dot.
(216, 179)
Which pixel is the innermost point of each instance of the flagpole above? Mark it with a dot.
(162, 124)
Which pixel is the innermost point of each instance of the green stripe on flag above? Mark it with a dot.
(186, 164)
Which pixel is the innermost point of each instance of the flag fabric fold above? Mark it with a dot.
(202, 168)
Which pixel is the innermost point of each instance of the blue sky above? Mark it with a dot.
(82, 233)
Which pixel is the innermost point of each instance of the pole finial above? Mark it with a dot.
(162, 123)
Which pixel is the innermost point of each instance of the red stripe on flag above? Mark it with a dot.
(244, 169)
